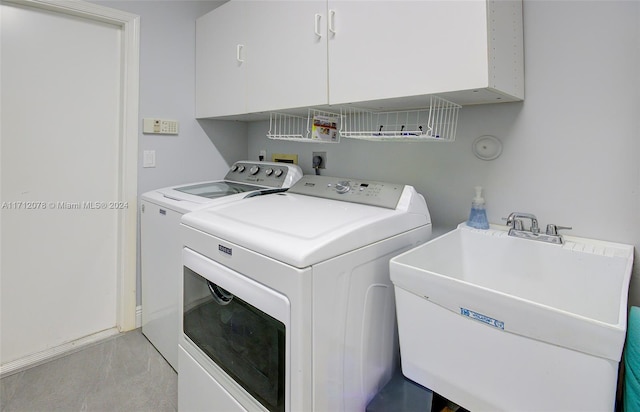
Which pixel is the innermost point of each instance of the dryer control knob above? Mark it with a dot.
(254, 170)
(234, 168)
(278, 172)
(241, 168)
(343, 187)
(268, 172)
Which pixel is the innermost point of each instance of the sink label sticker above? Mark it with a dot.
(482, 318)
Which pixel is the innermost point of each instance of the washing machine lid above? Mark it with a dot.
(204, 192)
(303, 230)
(209, 193)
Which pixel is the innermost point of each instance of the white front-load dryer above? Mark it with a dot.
(287, 302)
(161, 248)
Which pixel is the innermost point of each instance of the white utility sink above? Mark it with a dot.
(495, 322)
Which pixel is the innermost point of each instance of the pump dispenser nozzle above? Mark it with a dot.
(478, 214)
(478, 199)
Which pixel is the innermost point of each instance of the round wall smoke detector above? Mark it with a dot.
(487, 147)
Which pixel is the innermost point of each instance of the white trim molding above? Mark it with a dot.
(138, 316)
(54, 353)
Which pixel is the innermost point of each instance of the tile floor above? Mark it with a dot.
(122, 373)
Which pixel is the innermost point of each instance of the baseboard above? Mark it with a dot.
(54, 353)
(138, 316)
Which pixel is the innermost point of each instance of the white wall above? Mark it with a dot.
(571, 148)
(203, 150)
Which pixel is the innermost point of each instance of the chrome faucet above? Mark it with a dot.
(515, 221)
(517, 229)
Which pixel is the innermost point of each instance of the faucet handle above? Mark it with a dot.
(508, 220)
(517, 224)
(534, 225)
(552, 230)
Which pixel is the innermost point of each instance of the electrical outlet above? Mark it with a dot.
(322, 155)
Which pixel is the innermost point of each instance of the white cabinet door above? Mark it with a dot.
(261, 55)
(286, 54)
(221, 84)
(391, 49)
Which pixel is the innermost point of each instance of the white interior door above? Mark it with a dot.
(64, 191)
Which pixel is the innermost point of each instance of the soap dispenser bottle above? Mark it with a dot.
(478, 214)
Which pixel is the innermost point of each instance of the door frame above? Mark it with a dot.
(128, 142)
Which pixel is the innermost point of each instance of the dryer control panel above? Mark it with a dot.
(365, 192)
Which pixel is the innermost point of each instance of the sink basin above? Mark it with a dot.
(506, 323)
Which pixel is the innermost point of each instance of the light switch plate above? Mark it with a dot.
(159, 126)
(149, 158)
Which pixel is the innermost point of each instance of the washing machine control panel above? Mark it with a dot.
(264, 173)
(366, 192)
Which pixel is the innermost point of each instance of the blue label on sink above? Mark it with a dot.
(482, 318)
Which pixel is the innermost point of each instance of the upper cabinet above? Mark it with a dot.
(259, 56)
(286, 54)
(220, 72)
(255, 56)
(403, 50)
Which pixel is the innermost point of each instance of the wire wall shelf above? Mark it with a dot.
(317, 127)
(437, 122)
(287, 127)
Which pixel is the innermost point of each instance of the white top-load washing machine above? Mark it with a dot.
(287, 301)
(161, 248)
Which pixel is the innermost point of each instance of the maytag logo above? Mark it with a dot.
(225, 249)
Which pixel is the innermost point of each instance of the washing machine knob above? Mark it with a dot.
(234, 168)
(268, 172)
(241, 168)
(278, 172)
(343, 187)
(254, 170)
